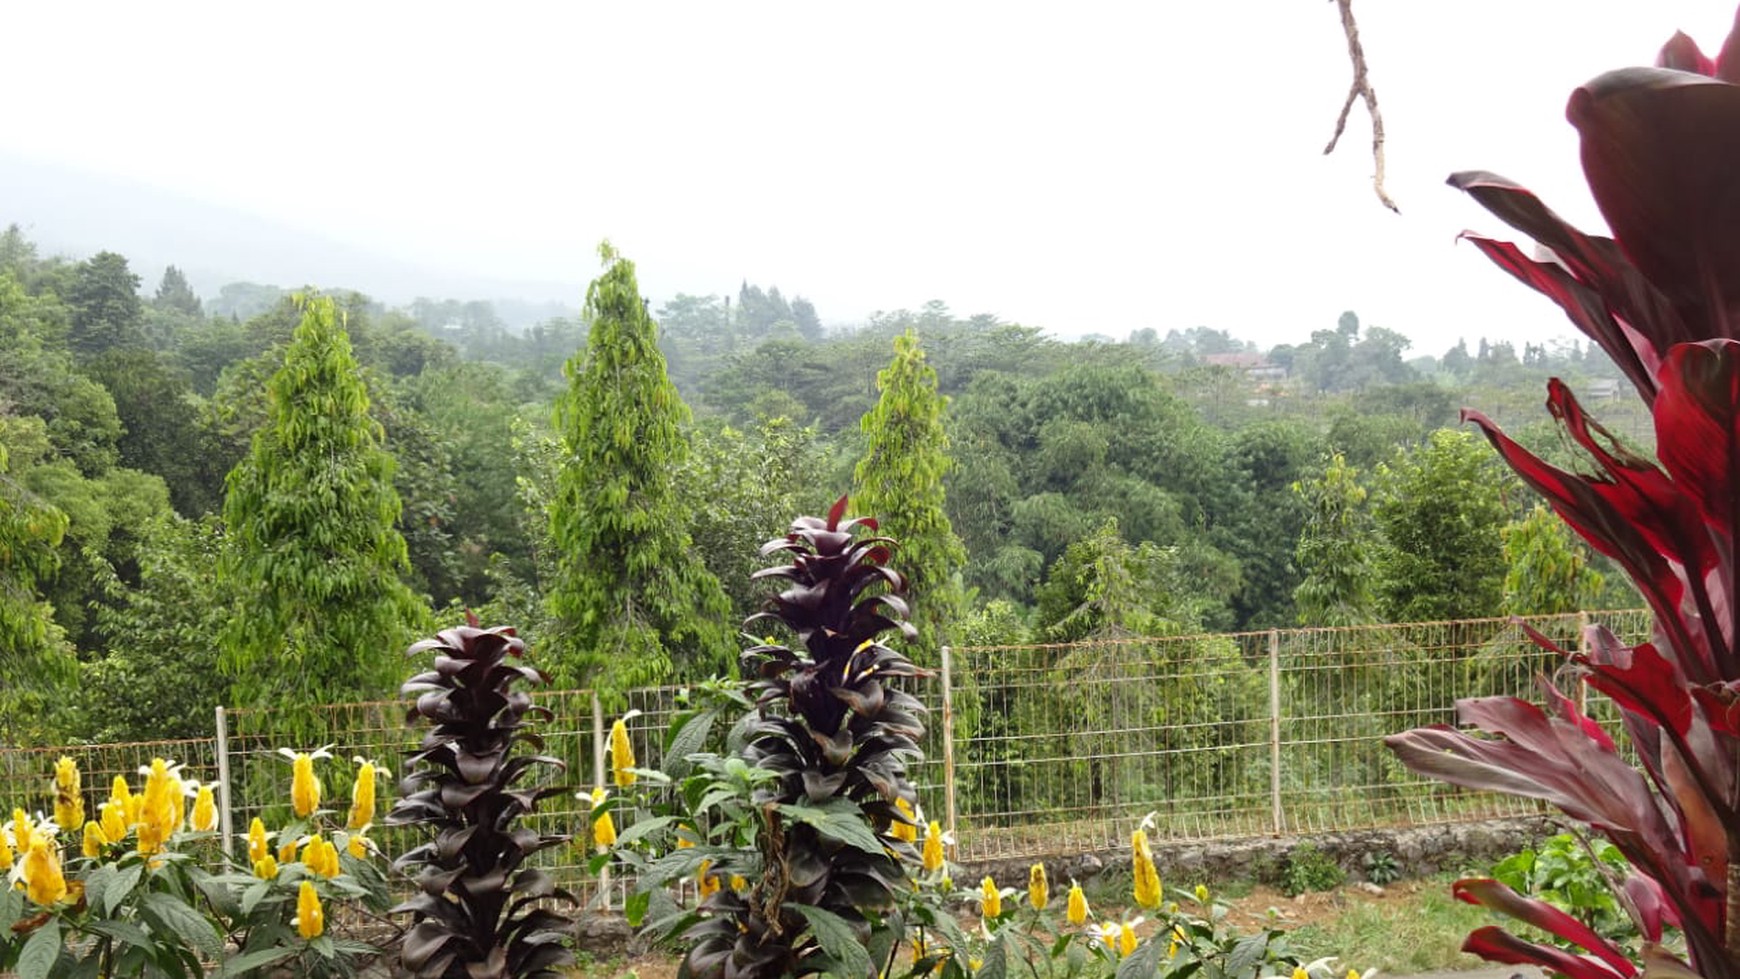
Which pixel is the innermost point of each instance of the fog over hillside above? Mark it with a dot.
(78, 213)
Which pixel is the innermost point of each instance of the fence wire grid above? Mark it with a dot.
(1031, 751)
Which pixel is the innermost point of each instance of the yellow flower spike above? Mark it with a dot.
(906, 832)
(621, 755)
(1202, 894)
(1147, 879)
(933, 847)
(310, 919)
(358, 846)
(287, 851)
(362, 798)
(1300, 973)
(739, 883)
(304, 785)
(160, 807)
(266, 868)
(94, 841)
(69, 801)
(6, 857)
(1038, 888)
(118, 789)
(1127, 940)
(1353, 974)
(23, 832)
(205, 816)
(329, 859)
(706, 883)
(683, 843)
(44, 883)
(175, 812)
(603, 827)
(990, 899)
(257, 841)
(1076, 910)
(113, 815)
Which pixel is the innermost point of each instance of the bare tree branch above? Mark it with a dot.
(1361, 88)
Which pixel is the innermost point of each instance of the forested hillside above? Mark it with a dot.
(260, 496)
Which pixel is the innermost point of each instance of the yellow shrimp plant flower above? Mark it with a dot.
(69, 801)
(1147, 879)
(44, 883)
(1076, 909)
(362, 799)
(94, 841)
(1038, 888)
(310, 920)
(257, 850)
(205, 816)
(933, 847)
(304, 784)
(621, 754)
(904, 831)
(990, 898)
(603, 827)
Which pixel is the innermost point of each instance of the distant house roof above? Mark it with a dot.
(1243, 362)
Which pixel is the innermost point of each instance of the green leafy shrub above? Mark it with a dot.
(1575, 876)
(1310, 869)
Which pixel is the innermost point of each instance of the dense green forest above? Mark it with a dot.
(259, 499)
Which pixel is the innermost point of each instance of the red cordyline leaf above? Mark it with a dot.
(1490, 893)
(1661, 151)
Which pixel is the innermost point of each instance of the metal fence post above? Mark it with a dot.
(1583, 648)
(598, 779)
(1275, 730)
(225, 827)
(948, 741)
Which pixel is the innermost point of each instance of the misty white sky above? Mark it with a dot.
(1084, 167)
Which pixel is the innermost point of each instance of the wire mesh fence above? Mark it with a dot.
(1030, 750)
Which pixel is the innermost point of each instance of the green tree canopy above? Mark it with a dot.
(633, 604)
(900, 482)
(1440, 509)
(1336, 549)
(321, 614)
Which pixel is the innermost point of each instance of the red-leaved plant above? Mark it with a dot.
(1661, 151)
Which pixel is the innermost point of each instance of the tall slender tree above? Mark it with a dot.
(631, 601)
(1335, 549)
(900, 482)
(313, 554)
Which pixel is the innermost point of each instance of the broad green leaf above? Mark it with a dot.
(634, 909)
(251, 897)
(642, 828)
(1245, 955)
(1144, 962)
(184, 922)
(259, 958)
(839, 820)
(40, 951)
(125, 932)
(836, 938)
(996, 964)
(125, 880)
(687, 736)
(97, 884)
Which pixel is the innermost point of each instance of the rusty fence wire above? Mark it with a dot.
(1030, 750)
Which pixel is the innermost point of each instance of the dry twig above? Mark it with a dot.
(1361, 88)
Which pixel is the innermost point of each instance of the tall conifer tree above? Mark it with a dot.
(313, 553)
(632, 603)
(900, 483)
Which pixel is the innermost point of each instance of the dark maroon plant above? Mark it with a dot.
(480, 912)
(839, 739)
(1661, 151)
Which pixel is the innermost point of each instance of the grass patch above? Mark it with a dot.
(1422, 934)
